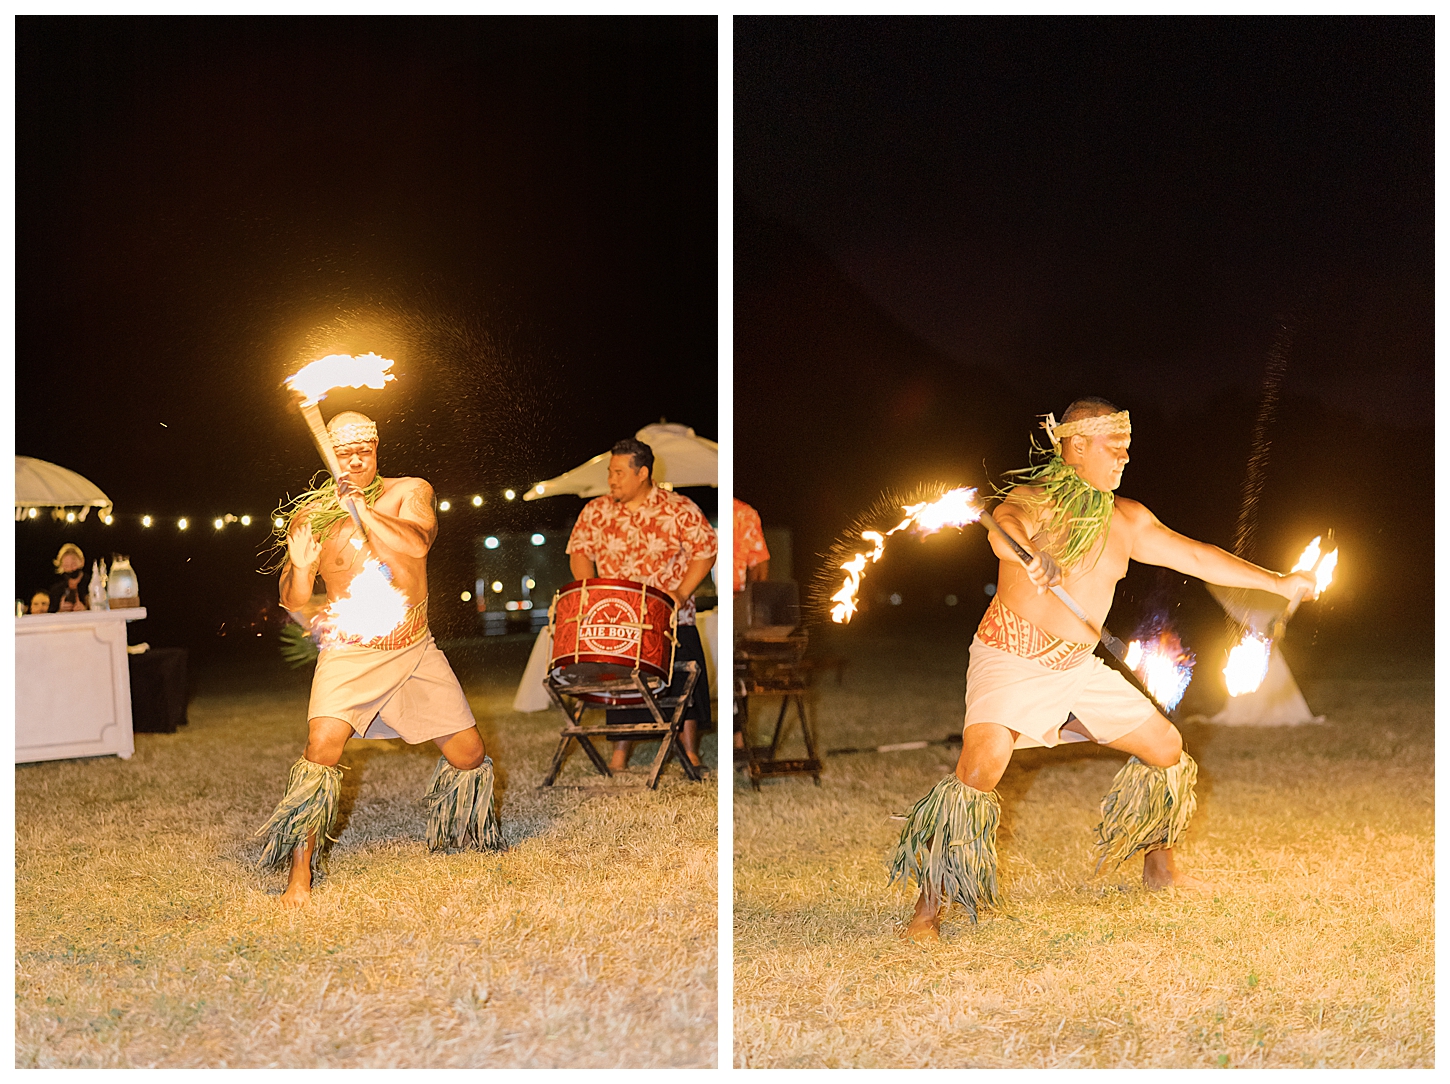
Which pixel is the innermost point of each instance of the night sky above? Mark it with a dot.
(947, 226)
(522, 213)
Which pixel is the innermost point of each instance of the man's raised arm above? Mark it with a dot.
(1155, 544)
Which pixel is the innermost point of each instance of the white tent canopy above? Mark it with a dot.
(681, 459)
(1277, 701)
(39, 484)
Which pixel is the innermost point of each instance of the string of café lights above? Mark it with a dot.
(219, 523)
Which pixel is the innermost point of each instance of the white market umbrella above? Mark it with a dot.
(39, 484)
(681, 459)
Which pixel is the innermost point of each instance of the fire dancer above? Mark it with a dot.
(1032, 663)
(650, 535)
(397, 684)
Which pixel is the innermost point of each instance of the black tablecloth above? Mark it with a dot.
(158, 690)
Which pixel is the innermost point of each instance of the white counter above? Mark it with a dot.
(73, 685)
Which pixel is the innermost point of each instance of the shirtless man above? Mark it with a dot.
(394, 685)
(1032, 662)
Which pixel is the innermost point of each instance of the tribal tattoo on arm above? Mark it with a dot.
(419, 509)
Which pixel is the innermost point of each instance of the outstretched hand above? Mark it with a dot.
(303, 549)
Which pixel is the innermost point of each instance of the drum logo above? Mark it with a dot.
(612, 626)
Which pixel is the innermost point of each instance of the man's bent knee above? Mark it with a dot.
(326, 738)
(464, 750)
(986, 751)
(1163, 745)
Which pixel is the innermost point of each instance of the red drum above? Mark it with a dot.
(603, 630)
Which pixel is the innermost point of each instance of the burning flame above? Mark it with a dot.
(1248, 662)
(955, 508)
(314, 381)
(1309, 558)
(1163, 666)
(1322, 567)
(371, 608)
(1324, 575)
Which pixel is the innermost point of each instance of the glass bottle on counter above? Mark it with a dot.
(122, 590)
(98, 599)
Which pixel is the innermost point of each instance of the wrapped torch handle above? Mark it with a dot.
(313, 417)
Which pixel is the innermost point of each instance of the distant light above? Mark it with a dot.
(145, 521)
(181, 524)
(70, 517)
(31, 513)
(443, 506)
(539, 489)
(490, 543)
(951, 600)
(497, 587)
(530, 584)
(108, 520)
(477, 501)
(246, 521)
(895, 600)
(509, 494)
(466, 596)
(526, 605)
(990, 590)
(510, 605)
(217, 524)
(536, 539)
(277, 522)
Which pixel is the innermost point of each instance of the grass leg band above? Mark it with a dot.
(460, 809)
(1146, 809)
(949, 846)
(309, 807)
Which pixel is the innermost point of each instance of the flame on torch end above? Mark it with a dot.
(1163, 666)
(955, 508)
(371, 608)
(1324, 575)
(1309, 557)
(315, 380)
(1248, 662)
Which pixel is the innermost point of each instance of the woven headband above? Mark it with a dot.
(352, 433)
(1086, 427)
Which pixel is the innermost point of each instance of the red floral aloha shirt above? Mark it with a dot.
(749, 542)
(652, 544)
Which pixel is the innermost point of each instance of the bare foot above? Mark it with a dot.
(1160, 872)
(925, 925)
(299, 878)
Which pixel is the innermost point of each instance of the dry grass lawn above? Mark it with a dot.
(1316, 949)
(146, 937)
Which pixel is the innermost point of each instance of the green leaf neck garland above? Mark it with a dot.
(326, 512)
(1080, 514)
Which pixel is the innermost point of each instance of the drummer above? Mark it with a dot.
(655, 536)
